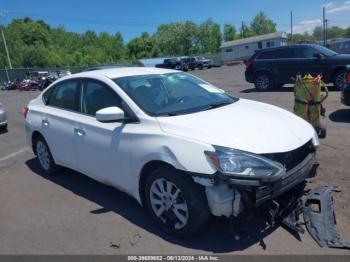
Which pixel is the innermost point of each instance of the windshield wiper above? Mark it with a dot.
(216, 105)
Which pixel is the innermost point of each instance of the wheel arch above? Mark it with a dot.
(35, 135)
(261, 71)
(335, 71)
(145, 171)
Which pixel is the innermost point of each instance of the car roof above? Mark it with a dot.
(124, 71)
(286, 46)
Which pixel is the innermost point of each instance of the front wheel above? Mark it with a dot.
(339, 79)
(175, 202)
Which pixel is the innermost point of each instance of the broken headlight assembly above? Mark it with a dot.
(241, 164)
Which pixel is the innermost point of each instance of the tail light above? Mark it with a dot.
(247, 63)
(347, 77)
(25, 111)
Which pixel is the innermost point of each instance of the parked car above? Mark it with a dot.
(190, 61)
(180, 146)
(203, 62)
(345, 91)
(174, 63)
(274, 67)
(3, 118)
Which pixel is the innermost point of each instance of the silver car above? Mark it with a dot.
(3, 118)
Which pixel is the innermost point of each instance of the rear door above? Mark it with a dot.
(58, 121)
(284, 65)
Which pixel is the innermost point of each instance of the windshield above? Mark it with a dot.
(172, 94)
(326, 51)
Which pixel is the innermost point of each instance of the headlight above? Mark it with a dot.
(239, 163)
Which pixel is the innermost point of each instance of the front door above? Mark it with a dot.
(102, 148)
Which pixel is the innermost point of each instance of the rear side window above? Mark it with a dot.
(284, 53)
(97, 95)
(266, 55)
(64, 95)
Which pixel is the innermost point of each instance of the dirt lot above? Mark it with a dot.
(71, 214)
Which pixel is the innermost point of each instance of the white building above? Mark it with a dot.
(244, 48)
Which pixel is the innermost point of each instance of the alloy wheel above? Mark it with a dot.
(340, 80)
(168, 203)
(43, 155)
(263, 82)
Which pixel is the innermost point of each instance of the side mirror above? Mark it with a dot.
(318, 55)
(110, 114)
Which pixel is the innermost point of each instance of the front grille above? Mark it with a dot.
(292, 158)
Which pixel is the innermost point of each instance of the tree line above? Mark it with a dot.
(34, 43)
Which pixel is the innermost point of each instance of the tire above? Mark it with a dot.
(4, 128)
(178, 67)
(339, 79)
(322, 132)
(263, 82)
(44, 156)
(182, 212)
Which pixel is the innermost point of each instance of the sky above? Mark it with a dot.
(132, 17)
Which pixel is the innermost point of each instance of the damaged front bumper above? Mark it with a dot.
(229, 196)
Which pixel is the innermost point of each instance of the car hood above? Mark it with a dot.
(245, 125)
(341, 57)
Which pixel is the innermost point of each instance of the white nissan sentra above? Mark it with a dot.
(182, 147)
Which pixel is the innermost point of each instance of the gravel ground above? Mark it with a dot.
(71, 214)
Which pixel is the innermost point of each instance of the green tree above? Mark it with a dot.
(318, 33)
(347, 32)
(209, 37)
(246, 32)
(335, 32)
(261, 24)
(229, 32)
(141, 47)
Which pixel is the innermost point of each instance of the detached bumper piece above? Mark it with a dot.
(320, 220)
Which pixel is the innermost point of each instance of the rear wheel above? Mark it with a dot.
(339, 79)
(175, 202)
(44, 156)
(263, 82)
(178, 67)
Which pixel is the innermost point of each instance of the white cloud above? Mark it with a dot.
(331, 8)
(328, 5)
(306, 26)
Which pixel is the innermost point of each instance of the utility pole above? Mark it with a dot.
(326, 31)
(2, 14)
(291, 27)
(324, 27)
(242, 30)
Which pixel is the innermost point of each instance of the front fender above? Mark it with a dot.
(181, 153)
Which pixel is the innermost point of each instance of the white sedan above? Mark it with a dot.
(182, 147)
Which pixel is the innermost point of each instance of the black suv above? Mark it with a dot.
(275, 67)
(174, 63)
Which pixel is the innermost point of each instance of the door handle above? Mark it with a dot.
(45, 122)
(79, 131)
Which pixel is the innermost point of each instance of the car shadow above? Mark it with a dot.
(281, 89)
(341, 115)
(216, 236)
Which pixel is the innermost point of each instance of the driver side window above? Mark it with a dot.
(307, 53)
(97, 95)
